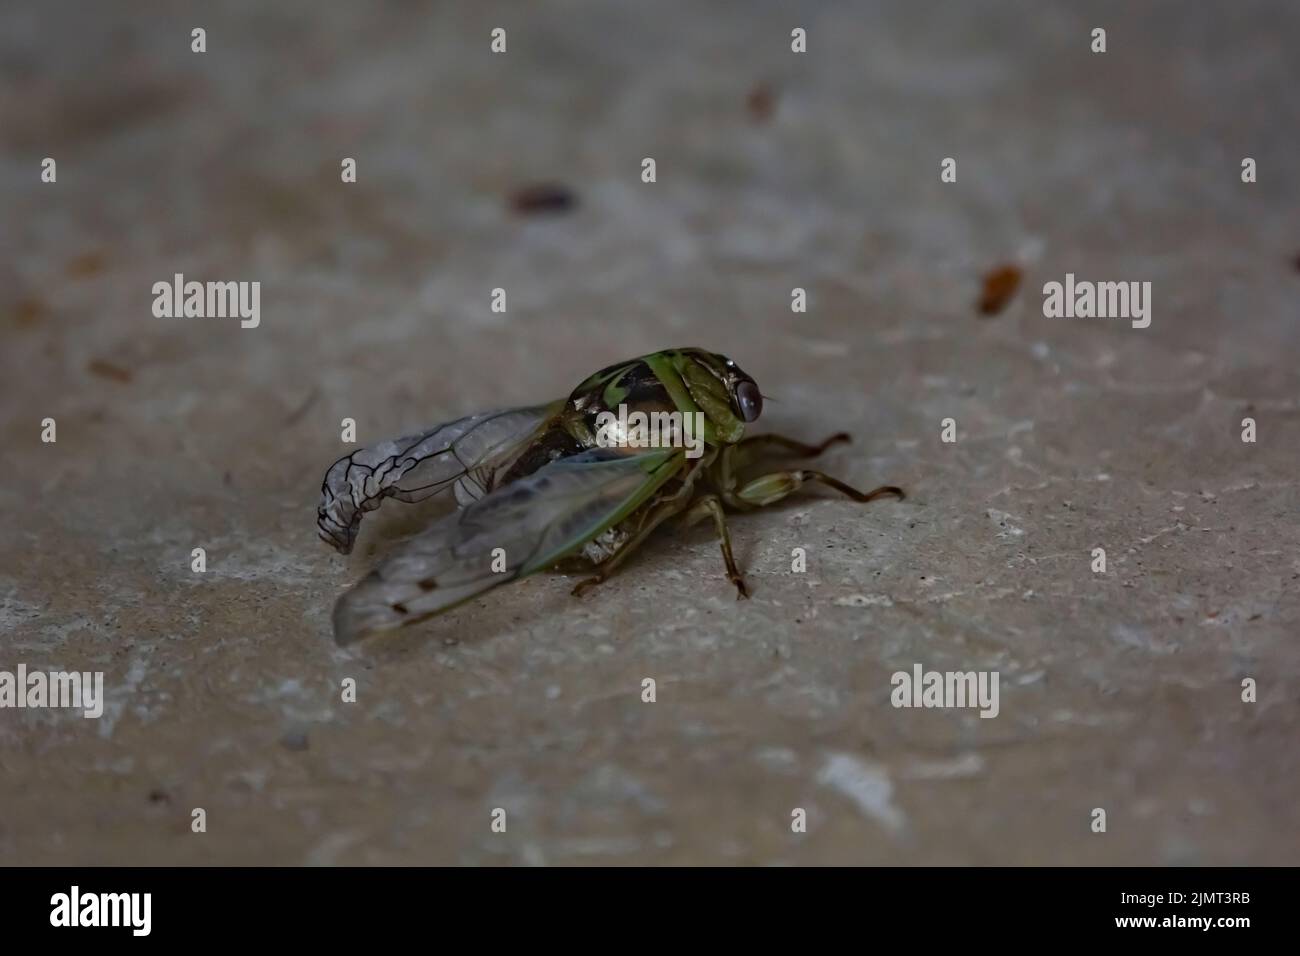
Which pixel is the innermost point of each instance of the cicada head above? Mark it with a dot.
(727, 395)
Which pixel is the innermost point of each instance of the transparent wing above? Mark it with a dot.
(416, 467)
(516, 530)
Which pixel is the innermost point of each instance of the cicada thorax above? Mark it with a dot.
(628, 408)
(625, 383)
(574, 428)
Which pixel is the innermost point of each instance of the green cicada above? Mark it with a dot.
(583, 480)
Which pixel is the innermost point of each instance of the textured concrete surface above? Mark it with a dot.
(1119, 691)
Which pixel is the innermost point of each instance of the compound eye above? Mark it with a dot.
(751, 401)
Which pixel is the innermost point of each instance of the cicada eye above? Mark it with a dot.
(750, 399)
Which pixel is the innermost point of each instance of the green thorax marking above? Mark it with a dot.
(673, 378)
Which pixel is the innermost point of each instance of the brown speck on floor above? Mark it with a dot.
(998, 287)
(28, 312)
(761, 103)
(543, 198)
(110, 371)
(86, 265)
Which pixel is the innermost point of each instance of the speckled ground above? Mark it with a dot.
(1119, 691)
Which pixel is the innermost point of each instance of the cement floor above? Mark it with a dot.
(775, 170)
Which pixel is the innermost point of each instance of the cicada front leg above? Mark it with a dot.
(710, 506)
(735, 457)
(797, 449)
(771, 488)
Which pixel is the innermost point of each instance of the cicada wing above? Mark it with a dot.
(466, 451)
(523, 527)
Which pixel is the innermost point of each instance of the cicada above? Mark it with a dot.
(578, 482)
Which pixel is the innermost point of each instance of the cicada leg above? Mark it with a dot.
(657, 516)
(797, 449)
(710, 506)
(771, 488)
(734, 457)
